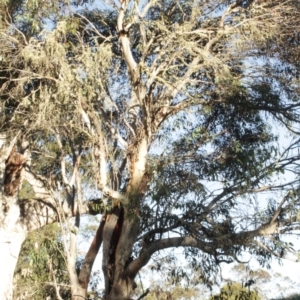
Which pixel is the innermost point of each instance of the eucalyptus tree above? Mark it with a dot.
(166, 110)
(236, 291)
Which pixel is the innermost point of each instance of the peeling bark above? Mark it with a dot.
(13, 169)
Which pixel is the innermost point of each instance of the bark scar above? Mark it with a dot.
(13, 169)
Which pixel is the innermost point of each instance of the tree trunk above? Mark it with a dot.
(12, 233)
(125, 229)
(78, 292)
(15, 216)
(119, 283)
(11, 238)
(122, 289)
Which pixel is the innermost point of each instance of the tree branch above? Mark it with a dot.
(149, 249)
(39, 186)
(91, 255)
(265, 247)
(125, 43)
(146, 8)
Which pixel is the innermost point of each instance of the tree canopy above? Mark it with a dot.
(166, 117)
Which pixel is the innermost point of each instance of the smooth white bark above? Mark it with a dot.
(12, 236)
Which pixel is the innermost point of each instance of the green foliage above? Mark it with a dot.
(41, 267)
(291, 297)
(26, 191)
(177, 292)
(235, 291)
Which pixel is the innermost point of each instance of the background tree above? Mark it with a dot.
(292, 297)
(166, 110)
(236, 291)
(41, 269)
